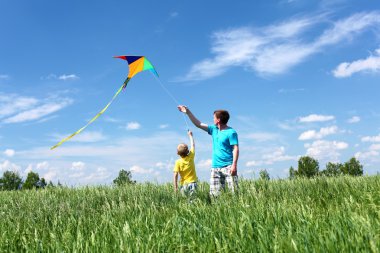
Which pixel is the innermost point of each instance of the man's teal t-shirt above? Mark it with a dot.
(222, 145)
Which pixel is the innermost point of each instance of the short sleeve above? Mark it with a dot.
(176, 167)
(234, 139)
(210, 129)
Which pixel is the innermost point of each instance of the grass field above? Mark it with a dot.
(304, 215)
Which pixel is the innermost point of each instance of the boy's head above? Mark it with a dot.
(182, 150)
(222, 115)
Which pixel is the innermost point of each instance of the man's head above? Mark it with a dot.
(182, 150)
(222, 116)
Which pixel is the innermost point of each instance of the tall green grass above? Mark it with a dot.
(304, 215)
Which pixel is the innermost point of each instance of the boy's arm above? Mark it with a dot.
(193, 119)
(175, 181)
(192, 143)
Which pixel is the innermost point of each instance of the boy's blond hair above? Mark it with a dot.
(182, 150)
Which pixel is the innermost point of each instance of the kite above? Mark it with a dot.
(136, 65)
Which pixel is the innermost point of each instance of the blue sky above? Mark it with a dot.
(298, 78)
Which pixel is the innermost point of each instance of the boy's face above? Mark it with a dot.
(216, 120)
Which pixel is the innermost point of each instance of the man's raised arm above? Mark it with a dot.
(193, 119)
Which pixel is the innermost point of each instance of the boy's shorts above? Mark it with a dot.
(218, 179)
(189, 189)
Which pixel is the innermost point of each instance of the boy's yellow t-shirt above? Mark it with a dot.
(186, 168)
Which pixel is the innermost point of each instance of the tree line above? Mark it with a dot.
(307, 167)
(11, 180)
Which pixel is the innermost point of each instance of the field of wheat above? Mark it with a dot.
(321, 215)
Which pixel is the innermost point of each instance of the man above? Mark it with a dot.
(225, 150)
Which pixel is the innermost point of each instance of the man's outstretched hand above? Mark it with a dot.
(182, 108)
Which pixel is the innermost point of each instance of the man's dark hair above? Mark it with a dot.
(223, 115)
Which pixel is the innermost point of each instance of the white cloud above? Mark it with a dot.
(7, 165)
(316, 118)
(110, 119)
(89, 136)
(174, 14)
(204, 164)
(4, 77)
(11, 103)
(28, 169)
(50, 176)
(44, 169)
(278, 155)
(38, 112)
(370, 64)
(9, 152)
(43, 165)
(285, 91)
(167, 165)
(371, 138)
(133, 126)
(366, 155)
(325, 150)
(139, 170)
(77, 175)
(354, 119)
(312, 134)
(374, 147)
(78, 166)
(346, 29)
(276, 48)
(63, 77)
(262, 136)
(270, 157)
(68, 77)
(163, 126)
(253, 163)
(372, 154)
(99, 175)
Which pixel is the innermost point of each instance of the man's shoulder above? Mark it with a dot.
(231, 130)
(211, 128)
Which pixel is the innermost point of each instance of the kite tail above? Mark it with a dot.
(94, 118)
(126, 82)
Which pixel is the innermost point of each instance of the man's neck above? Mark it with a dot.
(222, 127)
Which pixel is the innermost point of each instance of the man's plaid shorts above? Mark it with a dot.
(218, 179)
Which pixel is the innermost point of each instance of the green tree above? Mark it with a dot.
(292, 172)
(42, 183)
(32, 181)
(352, 167)
(125, 177)
(307, 166)
(11, 180)
(332, 169)
(264, 175)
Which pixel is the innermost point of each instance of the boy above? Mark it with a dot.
(185, 167)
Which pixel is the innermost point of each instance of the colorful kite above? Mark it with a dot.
(136, 65)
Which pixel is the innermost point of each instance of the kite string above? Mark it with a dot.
(173, 98)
